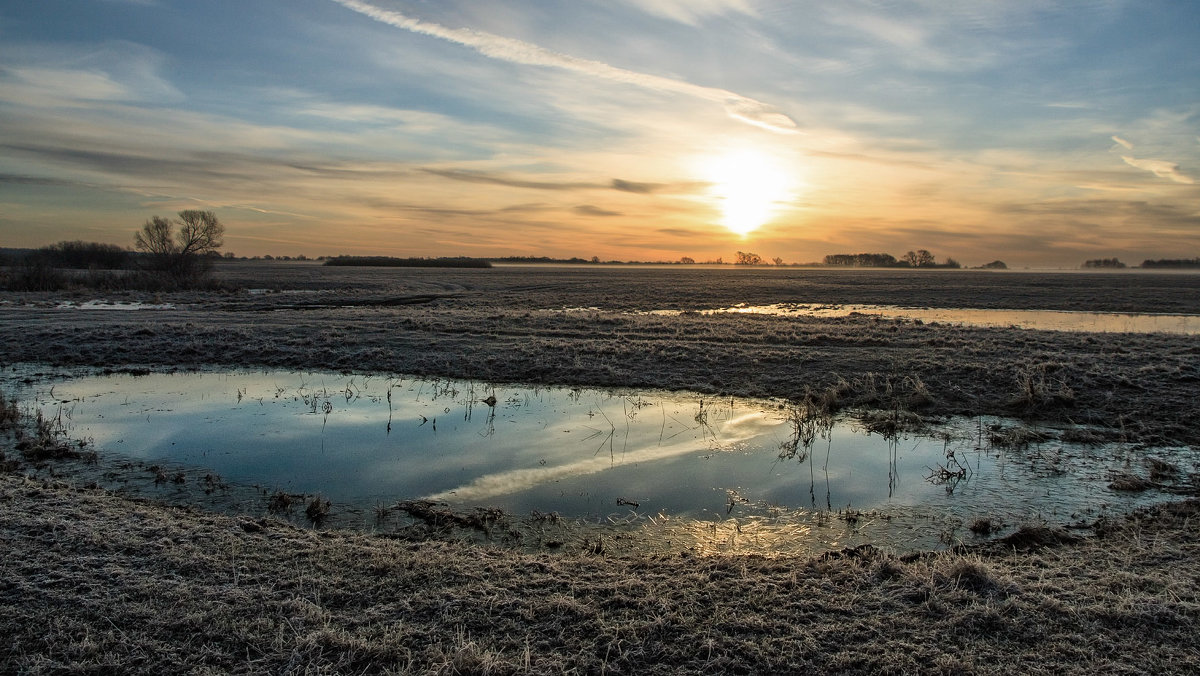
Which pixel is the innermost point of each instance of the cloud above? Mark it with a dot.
(590, 210)
(640, 188)
(618, 184)
(691, 12)
(22, 179)
(1161, 169)
(481, 177)
(72, 75)
(493, 46)
(1118, 139)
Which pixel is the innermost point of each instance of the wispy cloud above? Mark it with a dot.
(1121, 141)
(691, 12)
(493, 46)
(481, 177)
(591, 210)
(1160, 168)
(74, 75)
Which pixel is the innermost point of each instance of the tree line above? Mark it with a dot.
(168, 255)
(921, 258)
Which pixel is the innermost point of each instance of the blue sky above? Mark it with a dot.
(1040, 133)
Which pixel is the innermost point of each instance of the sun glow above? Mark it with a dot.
(750, 186)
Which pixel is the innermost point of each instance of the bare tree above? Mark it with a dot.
(182, 253)
(155, 238)
(200, 232)
(919, 259)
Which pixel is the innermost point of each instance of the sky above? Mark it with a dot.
(1041, 133)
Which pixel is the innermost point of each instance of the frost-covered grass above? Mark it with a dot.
(93, 582)
(502, 325)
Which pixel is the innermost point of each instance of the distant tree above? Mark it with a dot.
(748, 258)
(951, 263)
(687, 260)
(777, 260)
(84, 255)
(994, 265)
(921, 258)
(181, 253)
(156, 238)
(595, 259)
(1103, 263)
(864, 260)
(1178, 263)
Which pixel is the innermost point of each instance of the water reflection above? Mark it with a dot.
(1043, 320)
(710, 472)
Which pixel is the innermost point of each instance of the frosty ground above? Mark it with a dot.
(508, 325)
(93, 581)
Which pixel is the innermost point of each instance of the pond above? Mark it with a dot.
(705, 472)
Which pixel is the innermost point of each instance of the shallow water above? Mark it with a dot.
(1042, 320)
(715, 473)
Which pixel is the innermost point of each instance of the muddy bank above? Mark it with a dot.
(92, 582)
(502, 325)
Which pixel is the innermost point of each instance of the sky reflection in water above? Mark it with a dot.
(1042, 320)
(584, 453)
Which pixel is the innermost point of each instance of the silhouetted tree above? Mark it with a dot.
(182, 253)
(84, 255)
(1180, 263)
(921, 258)
(864, 260)
(747, 258)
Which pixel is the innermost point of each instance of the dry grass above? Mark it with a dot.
(500, 325)
(93, 582)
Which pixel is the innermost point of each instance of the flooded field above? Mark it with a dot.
(1040, 320)
(717, 473)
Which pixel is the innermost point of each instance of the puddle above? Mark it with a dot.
(708, 474)
(1042, 320)
(113, 305)
(286, 292)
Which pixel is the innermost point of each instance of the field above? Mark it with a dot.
(85, 571)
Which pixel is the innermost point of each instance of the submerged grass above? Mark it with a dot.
(95, 582)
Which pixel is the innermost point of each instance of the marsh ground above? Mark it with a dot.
(505, 325)
(96, 582)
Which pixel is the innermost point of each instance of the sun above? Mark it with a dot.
(750, 186)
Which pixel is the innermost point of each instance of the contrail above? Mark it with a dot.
(493, 46)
